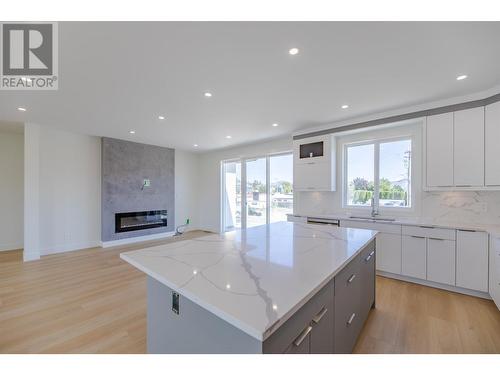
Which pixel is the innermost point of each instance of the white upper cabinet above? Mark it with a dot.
(492, 149)
(314, 164)
(469, 147)
(439, 141)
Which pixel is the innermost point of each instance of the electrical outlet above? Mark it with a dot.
(483, 207)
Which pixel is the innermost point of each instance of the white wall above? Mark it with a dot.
(62, 191)
(209, 191)
(186, 188)
(11, 190)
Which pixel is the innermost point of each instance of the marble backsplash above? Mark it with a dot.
(481, 207)
(464, 206)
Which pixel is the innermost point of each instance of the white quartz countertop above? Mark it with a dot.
(492, 229)
(254, 279)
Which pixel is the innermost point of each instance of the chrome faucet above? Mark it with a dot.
(374, 209)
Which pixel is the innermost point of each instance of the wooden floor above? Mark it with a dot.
(90, 301)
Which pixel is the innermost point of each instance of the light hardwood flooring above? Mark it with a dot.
(90, 301)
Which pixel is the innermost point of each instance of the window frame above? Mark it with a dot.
(376, 173)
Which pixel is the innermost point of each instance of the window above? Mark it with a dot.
(263, 186)
(380, 170)
(231, 204)
(281, 176)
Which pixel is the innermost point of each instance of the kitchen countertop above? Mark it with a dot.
(254, 279)
(492, 229)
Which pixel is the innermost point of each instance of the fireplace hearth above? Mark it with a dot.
(131, 221)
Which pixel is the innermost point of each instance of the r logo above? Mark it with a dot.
(27, 49)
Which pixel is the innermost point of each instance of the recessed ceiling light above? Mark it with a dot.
(293, 51)
(208, 94)
(21, 109)
(132, 131)
(195, 145)
(228, 137)
(228, 286)
(463, 76)
(275, 125)
(345, 106)
(161, 117)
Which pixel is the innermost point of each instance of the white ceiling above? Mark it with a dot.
(115, 77)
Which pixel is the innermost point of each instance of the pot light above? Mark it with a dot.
(161, 117)
(228, 286)
(345, 106)
(228, 137)
(463, 76)
(195, 145)
(293, 51)
(132, 131)
(208, 94)
(21, 109)
(275, 125)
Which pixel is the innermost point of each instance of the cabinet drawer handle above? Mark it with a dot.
(320, 315)
(436, 239)
(351, 319)
(418, 237)
(426, 227)
(467, 230)
(311, 163)
(367, 259)
(351, 279)
(302, 336)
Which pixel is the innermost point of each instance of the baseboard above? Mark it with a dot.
(63, 248)
(11, 246)
(433, 284)
(126, 241)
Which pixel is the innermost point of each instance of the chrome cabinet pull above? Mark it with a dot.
(302, 336)
(320, 315)
(417, 237)
(349, 322)
(351, 279)
(426, 227)
(367, 259)
(436, 239)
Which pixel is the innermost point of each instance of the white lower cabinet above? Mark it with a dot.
(472, 260)
(441, 261)
(414, 257)
(389, 252)
(494, 284)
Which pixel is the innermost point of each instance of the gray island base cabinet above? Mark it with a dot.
(329, 322)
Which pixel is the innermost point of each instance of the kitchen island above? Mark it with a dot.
(278, 288)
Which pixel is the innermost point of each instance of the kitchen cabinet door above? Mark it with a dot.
(313, 176)
(492, 149)
(441, 261)
(301, 345)
(469, 147)
(414, 257)
(494, 284)
(439, 150)
(472, 260)
(389, 253)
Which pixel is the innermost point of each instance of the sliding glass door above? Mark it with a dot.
(231, 195)
(256, 191)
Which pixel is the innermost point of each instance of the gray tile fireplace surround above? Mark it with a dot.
(125, 165)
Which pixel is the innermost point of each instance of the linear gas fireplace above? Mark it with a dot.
(129, 221)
